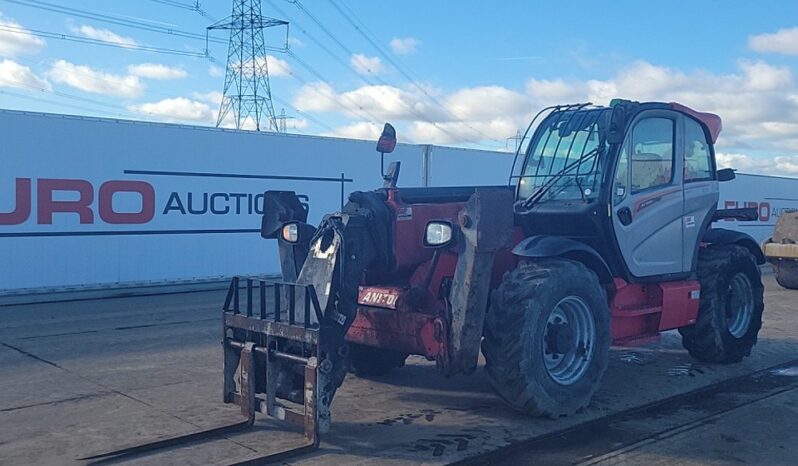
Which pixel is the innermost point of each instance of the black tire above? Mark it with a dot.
(370, 361)
(710, 339)
(515, 342)
(786, 272)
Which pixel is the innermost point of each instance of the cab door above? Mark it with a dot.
(648, 203)
(700, 187)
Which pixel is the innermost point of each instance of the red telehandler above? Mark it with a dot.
(603, 235)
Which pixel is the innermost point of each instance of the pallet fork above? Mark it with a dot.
(260, 348)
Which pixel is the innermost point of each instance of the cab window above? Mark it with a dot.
(652, 154)
(697, 157)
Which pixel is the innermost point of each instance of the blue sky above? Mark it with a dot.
(479, 69)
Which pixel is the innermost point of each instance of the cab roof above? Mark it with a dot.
(712, 121)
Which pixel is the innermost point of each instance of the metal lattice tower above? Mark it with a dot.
(247, 92)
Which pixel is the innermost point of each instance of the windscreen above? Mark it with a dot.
(565, 155)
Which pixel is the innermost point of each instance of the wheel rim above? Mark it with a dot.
(739, 305)
(568, 341)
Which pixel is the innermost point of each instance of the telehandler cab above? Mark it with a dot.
(602, 236)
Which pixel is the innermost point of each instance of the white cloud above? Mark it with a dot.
(19, 41)
(156, 71)
(294, 42)
(105, 35)
(215, 72)
(177, 109)
(12, 74)
(299, 123)
(363, 64)
(213, 97)
(404, 45)
(469, 115)
(457, 132)
(758, 103)
(784, 41)
(383, 101)
(316, 97)
(359, 130)
(90, 80)
(778, 165)
(487, 102)
(247, 124)
(276, 66)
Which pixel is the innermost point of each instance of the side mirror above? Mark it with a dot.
(387, 142)
(385, 145)
(726, 174)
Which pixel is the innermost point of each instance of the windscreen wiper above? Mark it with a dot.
(524, 206)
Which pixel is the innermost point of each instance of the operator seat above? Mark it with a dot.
(649, 169)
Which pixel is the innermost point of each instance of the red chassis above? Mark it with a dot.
(411, 318)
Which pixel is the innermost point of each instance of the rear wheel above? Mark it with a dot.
(368, 360)
(547, 337)
(730, 311)
(786, 272)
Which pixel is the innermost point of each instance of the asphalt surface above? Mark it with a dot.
(80, 378)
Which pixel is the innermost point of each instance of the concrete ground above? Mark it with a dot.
(85, 377)
(764, 432)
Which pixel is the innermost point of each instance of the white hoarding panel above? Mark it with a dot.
(467, 167)
(87, 202)
(771, 195)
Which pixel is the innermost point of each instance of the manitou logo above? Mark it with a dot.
(83, 206)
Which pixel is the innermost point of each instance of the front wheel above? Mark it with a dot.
(547, 337)
(730, 310)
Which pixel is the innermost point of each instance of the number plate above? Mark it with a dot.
(378, 297)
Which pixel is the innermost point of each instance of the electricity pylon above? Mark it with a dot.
(247, 92)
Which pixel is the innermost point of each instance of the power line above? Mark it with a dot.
(65, 95)
(59, 104)
(114, 20)
(353, 106)
(304, 115)
(341, 99)
(90, 75)
(191, 7)
(346, 49)
(106, 43)
(401, 70)
(127, 114)
(170, 31)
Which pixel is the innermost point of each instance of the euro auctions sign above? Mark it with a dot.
(118, 202)
(83, 205)
(88, 202)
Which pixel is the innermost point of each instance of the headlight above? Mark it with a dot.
(438, 234)
(290, 232)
